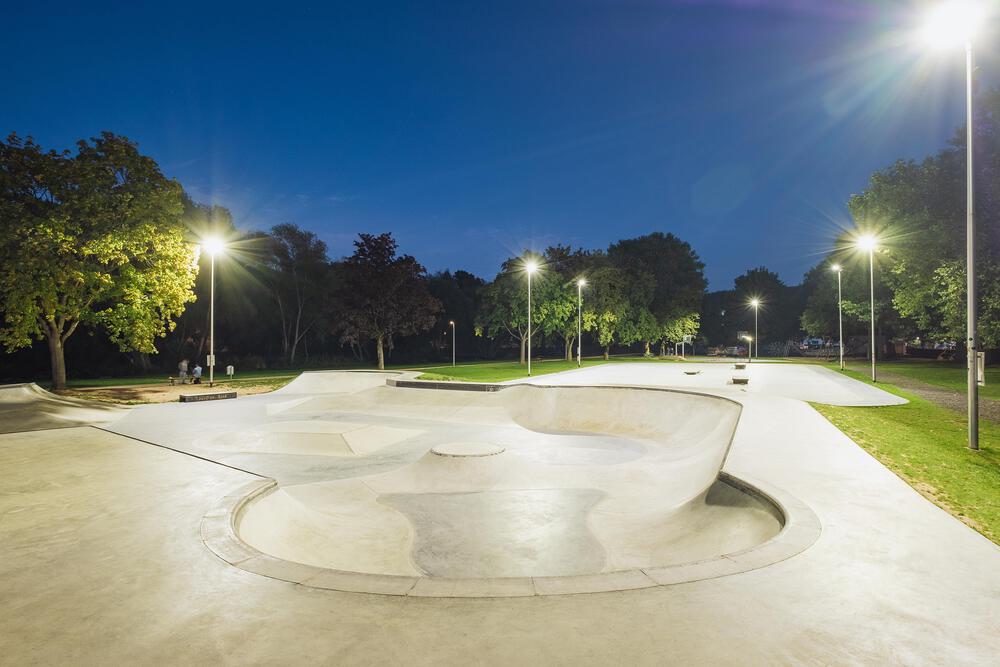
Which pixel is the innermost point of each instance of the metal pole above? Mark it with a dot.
(579, 324)
(452, 343)
(840, 319)
(529, 323)
(970, 261)
(211, 330)
(871, 279)
(756, 334)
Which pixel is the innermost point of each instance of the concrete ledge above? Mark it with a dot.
(440, 384)
(800, 529)
(208, 396)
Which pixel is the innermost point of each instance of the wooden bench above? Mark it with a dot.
(741, 379)
(739, 367)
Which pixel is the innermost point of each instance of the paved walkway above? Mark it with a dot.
(101, 563)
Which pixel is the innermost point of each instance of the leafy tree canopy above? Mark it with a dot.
(94, 238)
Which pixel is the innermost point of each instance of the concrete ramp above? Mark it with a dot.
(335, 382)
(28, 407)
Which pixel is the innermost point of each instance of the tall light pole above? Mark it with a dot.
(530, 267)
(452, 323)
(756, 334)
(869, 242)
(213, 246)
(579, 321)
(953, 23)
(840, 312)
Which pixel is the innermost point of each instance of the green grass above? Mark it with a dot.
(501, 371)
(925, 445)
(947, 374)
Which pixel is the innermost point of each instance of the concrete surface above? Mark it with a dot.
(805, 382)
(536, 481)
(27, 407)
(101, 562)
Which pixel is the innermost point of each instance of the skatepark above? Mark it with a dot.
(627, 512)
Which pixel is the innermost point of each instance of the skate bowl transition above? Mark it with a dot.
(489, 491)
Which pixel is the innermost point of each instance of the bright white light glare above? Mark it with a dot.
(530, 267)
(451, 322)
(952, 23)
(754, 302)
(213, 245)
(581, 282)
(867, 242)
(835, 267)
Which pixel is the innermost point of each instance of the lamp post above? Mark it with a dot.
(579, 321)
(212, 246)
(530, 267)
(868, 242)
(756, 334)
(452, 324)
(840, 312)
(953, 23)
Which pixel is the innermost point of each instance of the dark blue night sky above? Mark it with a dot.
(472, 130)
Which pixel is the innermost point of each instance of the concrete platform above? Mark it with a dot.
(804, 382)
(102, 562)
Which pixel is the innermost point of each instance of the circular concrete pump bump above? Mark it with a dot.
(463, 449)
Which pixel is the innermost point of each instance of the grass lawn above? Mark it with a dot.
(924, 444)
(500, 371)
(948, 374)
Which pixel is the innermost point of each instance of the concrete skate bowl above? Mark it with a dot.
(553, 490)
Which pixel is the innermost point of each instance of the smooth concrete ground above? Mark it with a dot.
(100, 563)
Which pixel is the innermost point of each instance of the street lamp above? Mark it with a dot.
(452, 324)
(869, 242)
(213, 246)
(755, 302)
(530, 267)
(950, 24)
(840, 311)
(579, 321)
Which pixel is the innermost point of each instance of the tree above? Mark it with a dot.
(504, 305)
(918, 210)
(667, 284)
(459, 294)
(299, 274)
(381, 295)
(95, 239)
(558, 302)
(607, 305)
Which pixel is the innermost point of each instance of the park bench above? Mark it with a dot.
(741, 379)
(739, 367)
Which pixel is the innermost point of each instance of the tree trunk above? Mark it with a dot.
(569, 347)
(647, 353)
(607, 351)
(381, 353)
(58, 361)
(524, 342)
